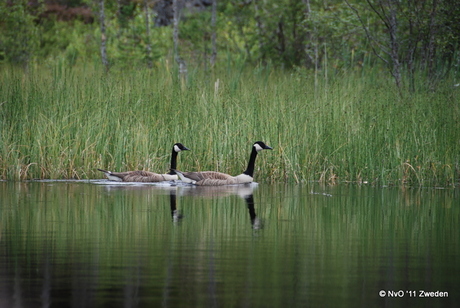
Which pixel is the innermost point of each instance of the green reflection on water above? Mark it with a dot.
(94, 245)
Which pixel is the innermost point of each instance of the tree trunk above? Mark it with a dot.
(213, 35)
(394, 43)
(147, 29)
(386, 12)
(431, 52)
(179, 61)
(259, 31)
(105, 62)
(176, 30)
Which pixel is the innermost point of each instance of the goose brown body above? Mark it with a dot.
(147, 176)
(138, 176)
(214, 178)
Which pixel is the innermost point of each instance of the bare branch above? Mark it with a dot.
(369, 36)
(383, 17)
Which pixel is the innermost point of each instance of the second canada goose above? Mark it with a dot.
(147, 176)
(213, 178)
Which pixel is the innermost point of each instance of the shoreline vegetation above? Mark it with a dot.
(350, 126)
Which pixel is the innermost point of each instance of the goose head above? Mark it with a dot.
(180, 147)
(259, 146)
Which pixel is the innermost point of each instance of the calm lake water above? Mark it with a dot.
(90, 244)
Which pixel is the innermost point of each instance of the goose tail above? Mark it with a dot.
(111, 176)
(182, 177)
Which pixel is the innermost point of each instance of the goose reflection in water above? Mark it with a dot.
(244, 191)
(256, 223)
(175, 214)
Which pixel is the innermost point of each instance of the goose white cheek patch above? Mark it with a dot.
(258, 147)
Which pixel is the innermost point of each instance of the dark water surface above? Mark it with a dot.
(89, 244)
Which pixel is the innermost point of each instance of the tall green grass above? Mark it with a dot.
(64, 123)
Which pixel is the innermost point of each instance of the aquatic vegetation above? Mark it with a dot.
(355, 126)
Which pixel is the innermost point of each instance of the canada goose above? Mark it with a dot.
(146, 176)
(213, 178)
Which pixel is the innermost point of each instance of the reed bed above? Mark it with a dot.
(61, 123)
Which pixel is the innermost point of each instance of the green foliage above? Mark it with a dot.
(19, 34)
(331, 32)
(125, 13)
(287, 34)
(195, 34)
(128, 45)
(422, 38)
(269, 31)
(68, 42)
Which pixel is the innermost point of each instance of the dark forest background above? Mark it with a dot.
(414, 38)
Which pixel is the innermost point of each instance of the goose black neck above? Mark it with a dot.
(172, 204)
(252, 160)
(173, 162)
(250, 202)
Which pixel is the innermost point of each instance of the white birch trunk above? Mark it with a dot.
(147, 30)
(105, 62)
(214, 34)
